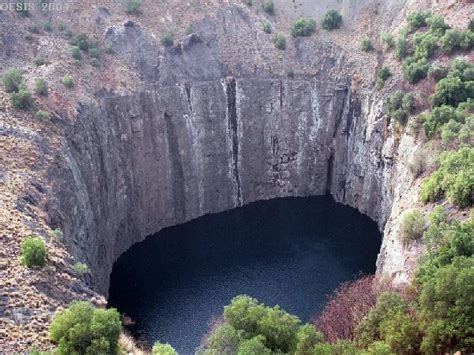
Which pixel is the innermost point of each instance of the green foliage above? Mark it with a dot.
(387, 40)
(401, 47)
(470, 27)
(163, 349)
(450, 131)
(48, 26)
(69, 34)
(223, 340)
(389, 321)
(412, 226)
(454, 39)
(133, 6)
(268, 7)
(12, 80)
(437, 25)
(303, 27)
(415, 70)
(68, 81)
(95, 62)
(451, 91)
(453, 179)
(408, 102)
(400, 105)
(366, 45)
(23, 100)
(379, 348)
(81, 268)
(33, 252)
(418, 19)
(244, 313)
(42, 115)
(254, 346)
(167, 39)
(57, 234)
(81, 329)
(279, 40)
(447, 306)
(40, 61)
(266, 27)
(384, 73)
(332, 20)
(425, 45)
(76, 53)
(438, 72)
(94, 52)
(339, 348)
(307, 339)
(41, 87)
(438, 117)
(82, 41)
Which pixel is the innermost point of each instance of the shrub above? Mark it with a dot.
(307, 339)
(23, 100)
(48, 26)
(414, 71)
(347, 306)
(412, 226)
(81, 329)
(225, 339)
(167, 39)
(400, 106)
(438, 117)
(95, 62)
(366, 45)
(41, 87)
(387, 40)
(57, 234)
(425, 45)
(12, 80)
(133, 6)
(384, 73)
(438, 72)
(453, 179)
(279, 41)
(163, 349)
(76, 53)
(339, 348)
(69, 34)
(450, 131)
(395, 101)
(248, 2)
(94, 52)
(332, 20)
(33, 252)
(268, 7)
(42, 115)
(401, 47)
(451, 40)
(446, 308)
(303, 27)
(266, 27)
(450, 91)
(467, 41)
(68, 81)
(82, 41)
(418, 19)
(254, 346)
(290, 73)
(437, 25)
(81, 268)
(40, 61)
(408, 103)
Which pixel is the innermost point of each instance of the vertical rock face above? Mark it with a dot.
(196, 143)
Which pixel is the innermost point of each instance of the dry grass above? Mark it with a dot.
(128, 346)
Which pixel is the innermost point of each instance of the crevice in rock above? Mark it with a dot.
(233, 128)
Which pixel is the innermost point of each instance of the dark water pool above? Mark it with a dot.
(291, 252)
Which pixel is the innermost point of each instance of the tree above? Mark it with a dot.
(82, 329)
(33, 252)
(332, 20)
(163, 349)
(307, 339)
(254, 346)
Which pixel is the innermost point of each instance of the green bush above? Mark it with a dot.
(415, 70)
(384, 73)
(401, 47)
(82, 41)
(438, 72)
(133, 6)
(69, 34)
(266, 27)
(94, 52)
(307, 339)
(33, 252)
(163, 349)
(418, 19)
(23, 100)
(450, 131)
(412, 226)
(254, 346)
(76, 53)
(400, 105)
(42, 115)
(341, 347)
(81, 268)
(167, 39)
(332, 20)
(387, 40)
(303, 27)
(453, 179)
(41, 87)
(279, 40)
(40, 61)
(437, 25)
(438, 117)
(268, 7)
(408, 103)
(451, 40)
(57, 234)
(446, 308)
(81, 329)
(467, 41)
(366, 45)
(12, 80)
(451, 91)
(425, 45)
(68, 81)
(95, 62)
(225, 339)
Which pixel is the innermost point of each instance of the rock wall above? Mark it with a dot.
(198, 141)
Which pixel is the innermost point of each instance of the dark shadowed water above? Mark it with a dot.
(291, 252)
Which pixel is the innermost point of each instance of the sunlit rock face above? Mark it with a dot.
(199, 140)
